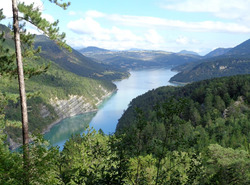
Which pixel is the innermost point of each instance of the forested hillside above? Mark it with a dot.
(223, 62)
(202, 102)
(196, 134)
(77, 63)
(212, 68)
(56, 84)
(71, 80)
(217, 52)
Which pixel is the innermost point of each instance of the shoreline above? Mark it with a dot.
(13, 145)
(179, 83)
(60, 119)
(49, 127)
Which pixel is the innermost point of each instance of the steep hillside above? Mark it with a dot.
(58, 93)
(208, 105)
(173, 121)
(77, 63)
(242, 49)
(233, 62)
(216, 68)
(138, 59)
(217, 52)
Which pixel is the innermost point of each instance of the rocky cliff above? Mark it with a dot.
(68, 107)
(74, 105)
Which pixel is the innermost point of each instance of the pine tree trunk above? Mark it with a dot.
(21, 92)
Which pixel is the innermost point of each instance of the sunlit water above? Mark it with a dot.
(112, 109)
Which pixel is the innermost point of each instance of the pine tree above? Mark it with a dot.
(33, 16)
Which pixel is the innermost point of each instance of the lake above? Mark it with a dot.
(113, 107)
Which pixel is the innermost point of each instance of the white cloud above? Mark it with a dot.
(37, 3)
(72, 13)
(48, 17)
(182, 40)
(226, 9)
(153, 37)
(143, 31)
(203, 26)
(92, 33)
(7, 10)
(94, 14)
(7, 7)
(89, 27)
(123, 35)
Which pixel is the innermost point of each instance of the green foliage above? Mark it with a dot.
(196, 134)
(55, 83)
(43, 162)
(50, 29)
(94, 160)
(228, 166)
(212, 68)
(228, 62)
(63, 5)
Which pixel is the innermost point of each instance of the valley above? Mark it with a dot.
(137, 93)
(139, 59)
(77, 82)
(110, 111)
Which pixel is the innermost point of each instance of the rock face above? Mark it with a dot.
(64, 108)
(74, 105)
(44, 111)
(71, 107)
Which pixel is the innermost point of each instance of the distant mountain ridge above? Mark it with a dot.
(188, 52)
(92, 49)
(140, 59)
(234, 61)
(217, 52)
(242, 49)
(76, 62)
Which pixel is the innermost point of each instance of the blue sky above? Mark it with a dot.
(170, 25)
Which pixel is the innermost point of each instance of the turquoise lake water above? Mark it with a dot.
(112, 108)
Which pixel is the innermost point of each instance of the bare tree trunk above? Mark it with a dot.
(22, 93)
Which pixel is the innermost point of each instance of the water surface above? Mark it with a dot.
(112, 109)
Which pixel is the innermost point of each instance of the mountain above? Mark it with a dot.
(217, 52)
(76, 62)
(139, 59)
(74, 84)
(234, 61)
(135, 49)
(92, 49)
(242, 49)
(188, 52)
(208, 111)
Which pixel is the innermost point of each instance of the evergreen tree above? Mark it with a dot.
(33, 16)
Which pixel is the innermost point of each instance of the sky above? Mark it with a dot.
(170, 25)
